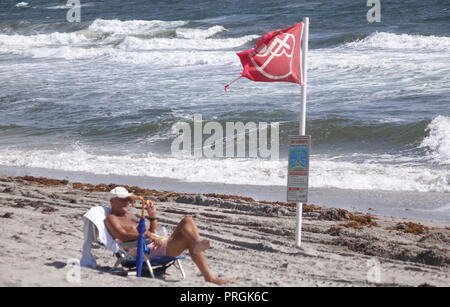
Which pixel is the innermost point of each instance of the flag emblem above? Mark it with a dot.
(275, 61)
(277, 57)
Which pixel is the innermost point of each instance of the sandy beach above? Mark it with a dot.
(251, 242)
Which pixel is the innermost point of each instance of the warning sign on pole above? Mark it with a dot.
(298, 168)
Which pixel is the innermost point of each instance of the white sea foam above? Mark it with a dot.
(378, 176)
(438, 141)
(381, 52)
(96, 40)
(115, 40)
(23, 4)
(176, 58)
(383, 40)
(116, 26)
(324, 172)
(199, 33)
(59, 7)
(133, 43)
(41, 40)
(54, 45)
(158, 58)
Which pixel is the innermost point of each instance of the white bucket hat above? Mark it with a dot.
(120, 192)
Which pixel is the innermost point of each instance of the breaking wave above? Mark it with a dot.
(135, 41)
(328, 173)
(134, 27)
(383, 40)
(361, 171)
(148, 41)
(438, 141)
(381, 52)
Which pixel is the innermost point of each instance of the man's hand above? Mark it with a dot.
(151, 210)
(155, 238)
(158, 241)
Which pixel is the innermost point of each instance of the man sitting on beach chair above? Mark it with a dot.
(122, 226)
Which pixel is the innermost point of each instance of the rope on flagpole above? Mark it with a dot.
(226, 86)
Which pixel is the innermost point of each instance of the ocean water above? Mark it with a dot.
(101, 96)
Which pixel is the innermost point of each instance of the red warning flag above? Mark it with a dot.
(275, 58)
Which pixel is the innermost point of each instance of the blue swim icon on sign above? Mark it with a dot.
(298, 157)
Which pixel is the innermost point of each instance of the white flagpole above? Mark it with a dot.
(305, 38)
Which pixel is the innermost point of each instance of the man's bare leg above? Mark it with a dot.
(185, 237)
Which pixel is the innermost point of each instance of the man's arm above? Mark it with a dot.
(117, 231)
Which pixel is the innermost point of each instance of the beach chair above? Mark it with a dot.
(95, 231)
(157, 263)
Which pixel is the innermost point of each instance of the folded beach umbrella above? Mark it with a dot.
(141, 239)
(140, 247)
